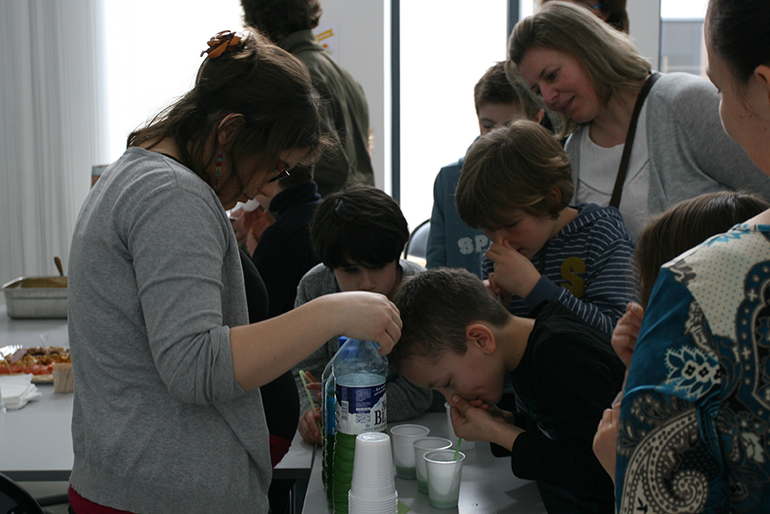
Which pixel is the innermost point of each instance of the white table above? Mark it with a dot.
(36, 440)
(488, 484)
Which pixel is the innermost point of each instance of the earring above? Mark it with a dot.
(219, 168)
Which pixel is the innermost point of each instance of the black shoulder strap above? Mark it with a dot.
(617, 192)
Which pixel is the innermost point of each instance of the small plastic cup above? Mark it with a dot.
(466, 445)
(444, 477)
(364, 505)
(373, 467)
(403, 449)
(422, 446)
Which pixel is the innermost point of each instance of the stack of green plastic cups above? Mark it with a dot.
(328, 413)
(360, 375)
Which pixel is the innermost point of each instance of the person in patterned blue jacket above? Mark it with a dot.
(516, 185)
(696, 410)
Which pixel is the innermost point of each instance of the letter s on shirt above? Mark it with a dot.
(573, 282)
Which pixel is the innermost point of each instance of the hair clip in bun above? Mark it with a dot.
(221, 42)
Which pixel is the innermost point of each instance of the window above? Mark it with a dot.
(153, 59)
(681, 40)
(445, 48)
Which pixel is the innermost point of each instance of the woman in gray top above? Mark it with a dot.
(167, 414)
(593, 76)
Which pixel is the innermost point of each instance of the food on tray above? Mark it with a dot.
(37, 361)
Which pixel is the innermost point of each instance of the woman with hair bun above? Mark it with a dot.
(693, 432)
(638, 141)
(168, 415)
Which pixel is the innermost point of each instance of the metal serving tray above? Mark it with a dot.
(36, 297)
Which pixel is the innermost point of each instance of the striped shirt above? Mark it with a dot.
(587, 266)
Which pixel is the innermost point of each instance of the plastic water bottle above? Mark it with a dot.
(328, 427)
(360, 375)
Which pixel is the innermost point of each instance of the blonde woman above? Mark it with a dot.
(666, 124)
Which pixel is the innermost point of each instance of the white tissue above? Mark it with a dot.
(17, 390)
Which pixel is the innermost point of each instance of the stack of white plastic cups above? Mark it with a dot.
(373, 487)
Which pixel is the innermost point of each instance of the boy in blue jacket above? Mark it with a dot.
(450, 241)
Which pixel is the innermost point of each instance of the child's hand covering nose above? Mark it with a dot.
(475, 421)
(514, 272)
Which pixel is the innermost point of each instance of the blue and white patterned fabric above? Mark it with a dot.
(695, 416)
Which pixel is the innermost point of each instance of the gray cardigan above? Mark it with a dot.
(405, 400)
(159, 423)
(690, 153)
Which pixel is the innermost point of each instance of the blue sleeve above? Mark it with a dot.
(608, 286)
(669, 458)
(487, 267)
(436, 252)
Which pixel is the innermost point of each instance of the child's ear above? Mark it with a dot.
(480, 336)
(762, 74)
(539, 116)
(551, 200)
(553, 196)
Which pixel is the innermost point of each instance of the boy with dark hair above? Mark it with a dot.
(517, 185)
(564, 371)
(359, 234)
(450, 241)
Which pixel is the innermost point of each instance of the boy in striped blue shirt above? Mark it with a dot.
(516, 186)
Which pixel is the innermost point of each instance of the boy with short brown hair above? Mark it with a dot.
(516, 185)
(564, 371)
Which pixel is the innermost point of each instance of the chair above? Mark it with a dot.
(417, 244)
(15, 500)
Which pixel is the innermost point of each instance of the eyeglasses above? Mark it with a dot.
(282, 170)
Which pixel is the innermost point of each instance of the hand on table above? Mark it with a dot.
(310, 421)
(513, 271)
(308, 426)
(476, 421)
(626, 331)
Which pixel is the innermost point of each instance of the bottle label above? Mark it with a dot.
(361, 408)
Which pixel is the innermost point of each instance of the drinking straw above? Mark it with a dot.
(459, 442)
(309, 396)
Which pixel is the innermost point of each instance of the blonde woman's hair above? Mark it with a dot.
(513, 167)
(614, 10)
(608, 56)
